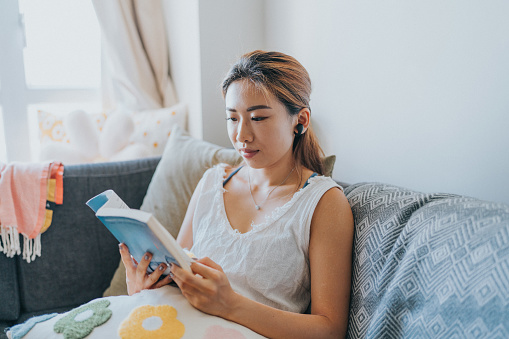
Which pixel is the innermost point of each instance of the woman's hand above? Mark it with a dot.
(136, 275)
(208, 289)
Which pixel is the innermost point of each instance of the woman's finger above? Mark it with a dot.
(184, 278)
(141, 270)
(206, 271)
(188, 289)
(210, 263)
(163, 282)
(154, 276)
(126, 258)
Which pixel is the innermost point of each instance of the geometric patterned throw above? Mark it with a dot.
(428, 265)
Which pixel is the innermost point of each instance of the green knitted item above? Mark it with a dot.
(81, 321)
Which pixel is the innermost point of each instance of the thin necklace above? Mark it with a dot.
(259, 206)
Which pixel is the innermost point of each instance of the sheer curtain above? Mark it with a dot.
(135, 55)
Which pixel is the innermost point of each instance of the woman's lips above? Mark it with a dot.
(247, 152)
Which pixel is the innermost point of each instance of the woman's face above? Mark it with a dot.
(259, 126)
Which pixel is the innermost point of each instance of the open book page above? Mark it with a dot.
(114, 201)
(106, 199)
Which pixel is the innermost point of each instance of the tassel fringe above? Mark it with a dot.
(10, 244)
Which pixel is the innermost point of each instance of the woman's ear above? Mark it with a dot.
(303, 118)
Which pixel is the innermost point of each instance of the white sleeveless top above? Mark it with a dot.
(270, 263)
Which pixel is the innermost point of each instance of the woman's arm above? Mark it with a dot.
(330, 260)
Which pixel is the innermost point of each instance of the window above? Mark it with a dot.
(50, 59)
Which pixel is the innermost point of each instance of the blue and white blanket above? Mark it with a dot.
(428, 265)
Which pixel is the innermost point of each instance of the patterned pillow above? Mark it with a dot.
(151, 131)
(153, 127)
(160, 313)
(427, 265)
(51, 126)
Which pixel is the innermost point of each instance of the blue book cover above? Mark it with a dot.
(140, 231)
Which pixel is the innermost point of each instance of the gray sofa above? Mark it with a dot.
(424, 265)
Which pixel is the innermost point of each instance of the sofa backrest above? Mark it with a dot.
(427, 265)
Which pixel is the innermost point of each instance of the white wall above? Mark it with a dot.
(205, 38)
(413, 93)
(228, 29)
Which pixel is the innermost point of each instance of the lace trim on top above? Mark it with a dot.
(276, 214)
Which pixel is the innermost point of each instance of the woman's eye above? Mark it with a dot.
(231, 119)
(258, 118)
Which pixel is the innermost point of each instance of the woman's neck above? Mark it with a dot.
(274, 175)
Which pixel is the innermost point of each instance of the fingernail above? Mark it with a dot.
(120, 247)
(171, 275)
(161, 267)
(146, 257)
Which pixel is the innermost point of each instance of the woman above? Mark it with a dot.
(272, 234)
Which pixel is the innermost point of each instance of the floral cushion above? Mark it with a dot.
(159, 313)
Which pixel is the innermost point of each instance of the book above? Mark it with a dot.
(140, 231)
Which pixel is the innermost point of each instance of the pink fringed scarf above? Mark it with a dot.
(23, 194)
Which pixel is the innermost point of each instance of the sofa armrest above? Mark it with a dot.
(79, 255)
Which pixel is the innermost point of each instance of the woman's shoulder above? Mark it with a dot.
(230, 170)
(333, 200)
(221, 170)
(309, 176)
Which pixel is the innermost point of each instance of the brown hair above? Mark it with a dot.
(285, 78)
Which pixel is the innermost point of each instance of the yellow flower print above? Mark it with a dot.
(58, 132)
(152, 322)
(48, 122)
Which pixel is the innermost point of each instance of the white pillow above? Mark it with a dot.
(153, 127)
(70, 138)
(78, 137)
(115, 134)
(52, 130)
(159, 313)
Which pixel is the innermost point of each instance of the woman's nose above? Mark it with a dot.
(244, 133)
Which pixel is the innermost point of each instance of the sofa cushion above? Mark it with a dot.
(77, 245)
(428, 265)
(184, 161)
(9, 293)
